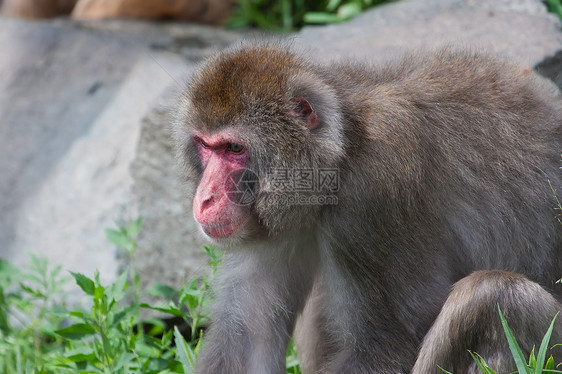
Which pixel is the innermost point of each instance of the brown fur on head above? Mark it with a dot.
(256, 95)
(232, 85)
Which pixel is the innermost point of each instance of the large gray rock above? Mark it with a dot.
(85, 113)
(76, 155)
(67, 137)
(521, 30)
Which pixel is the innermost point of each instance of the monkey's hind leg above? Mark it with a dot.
(469, 321)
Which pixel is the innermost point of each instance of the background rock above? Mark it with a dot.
(213, 12)
(85, 112)
(521, 30)
(72, 102)
(37, 8)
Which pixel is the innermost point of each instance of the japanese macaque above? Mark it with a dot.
(379, 213)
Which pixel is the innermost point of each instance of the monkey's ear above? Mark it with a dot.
(303, 109)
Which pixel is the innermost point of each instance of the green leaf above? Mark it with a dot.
(214, 254)
(76, 313)
(514, 347)
(286, 14)
(124, 359)
(158, 365)
(7, 270)
(77, 331)
(116, 291)
(191, 295)
(332, 5)
(482, 364)
(134, 228)
(144, 350)
(99, 291)
(31, 291)
(549, 364)
(86, 284)
(39, 264)
(541, 356)
(532, 358)
(349, 10)
(182, 351)
(321, 18)
(163, 290)
(124, 313)
(33, 278)
(84, 353)
(155, 343)
(170, 309)
(118, 238)
(157, 328)
(56, 271)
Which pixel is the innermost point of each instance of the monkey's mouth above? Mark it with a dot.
(220, 231)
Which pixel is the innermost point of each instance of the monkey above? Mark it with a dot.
(380, 213)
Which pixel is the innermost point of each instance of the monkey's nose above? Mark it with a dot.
(207, 203)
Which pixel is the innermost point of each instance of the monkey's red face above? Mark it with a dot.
(216, 205)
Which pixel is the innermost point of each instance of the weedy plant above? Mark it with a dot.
(30, 306)
(39, 335)
(111, 337)
(288, 15)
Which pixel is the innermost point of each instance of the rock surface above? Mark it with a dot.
(85, 112)
(213, 12)
(36, 8)
(75, 151)
(522, 30)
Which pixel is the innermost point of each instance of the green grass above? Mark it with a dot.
(289, 15)
(39, 334)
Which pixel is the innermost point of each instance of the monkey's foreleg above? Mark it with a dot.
(259, 294)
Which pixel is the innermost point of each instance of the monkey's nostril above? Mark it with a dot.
(206, 203)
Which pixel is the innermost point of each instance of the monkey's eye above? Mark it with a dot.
(235, 148)
(203, 143)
